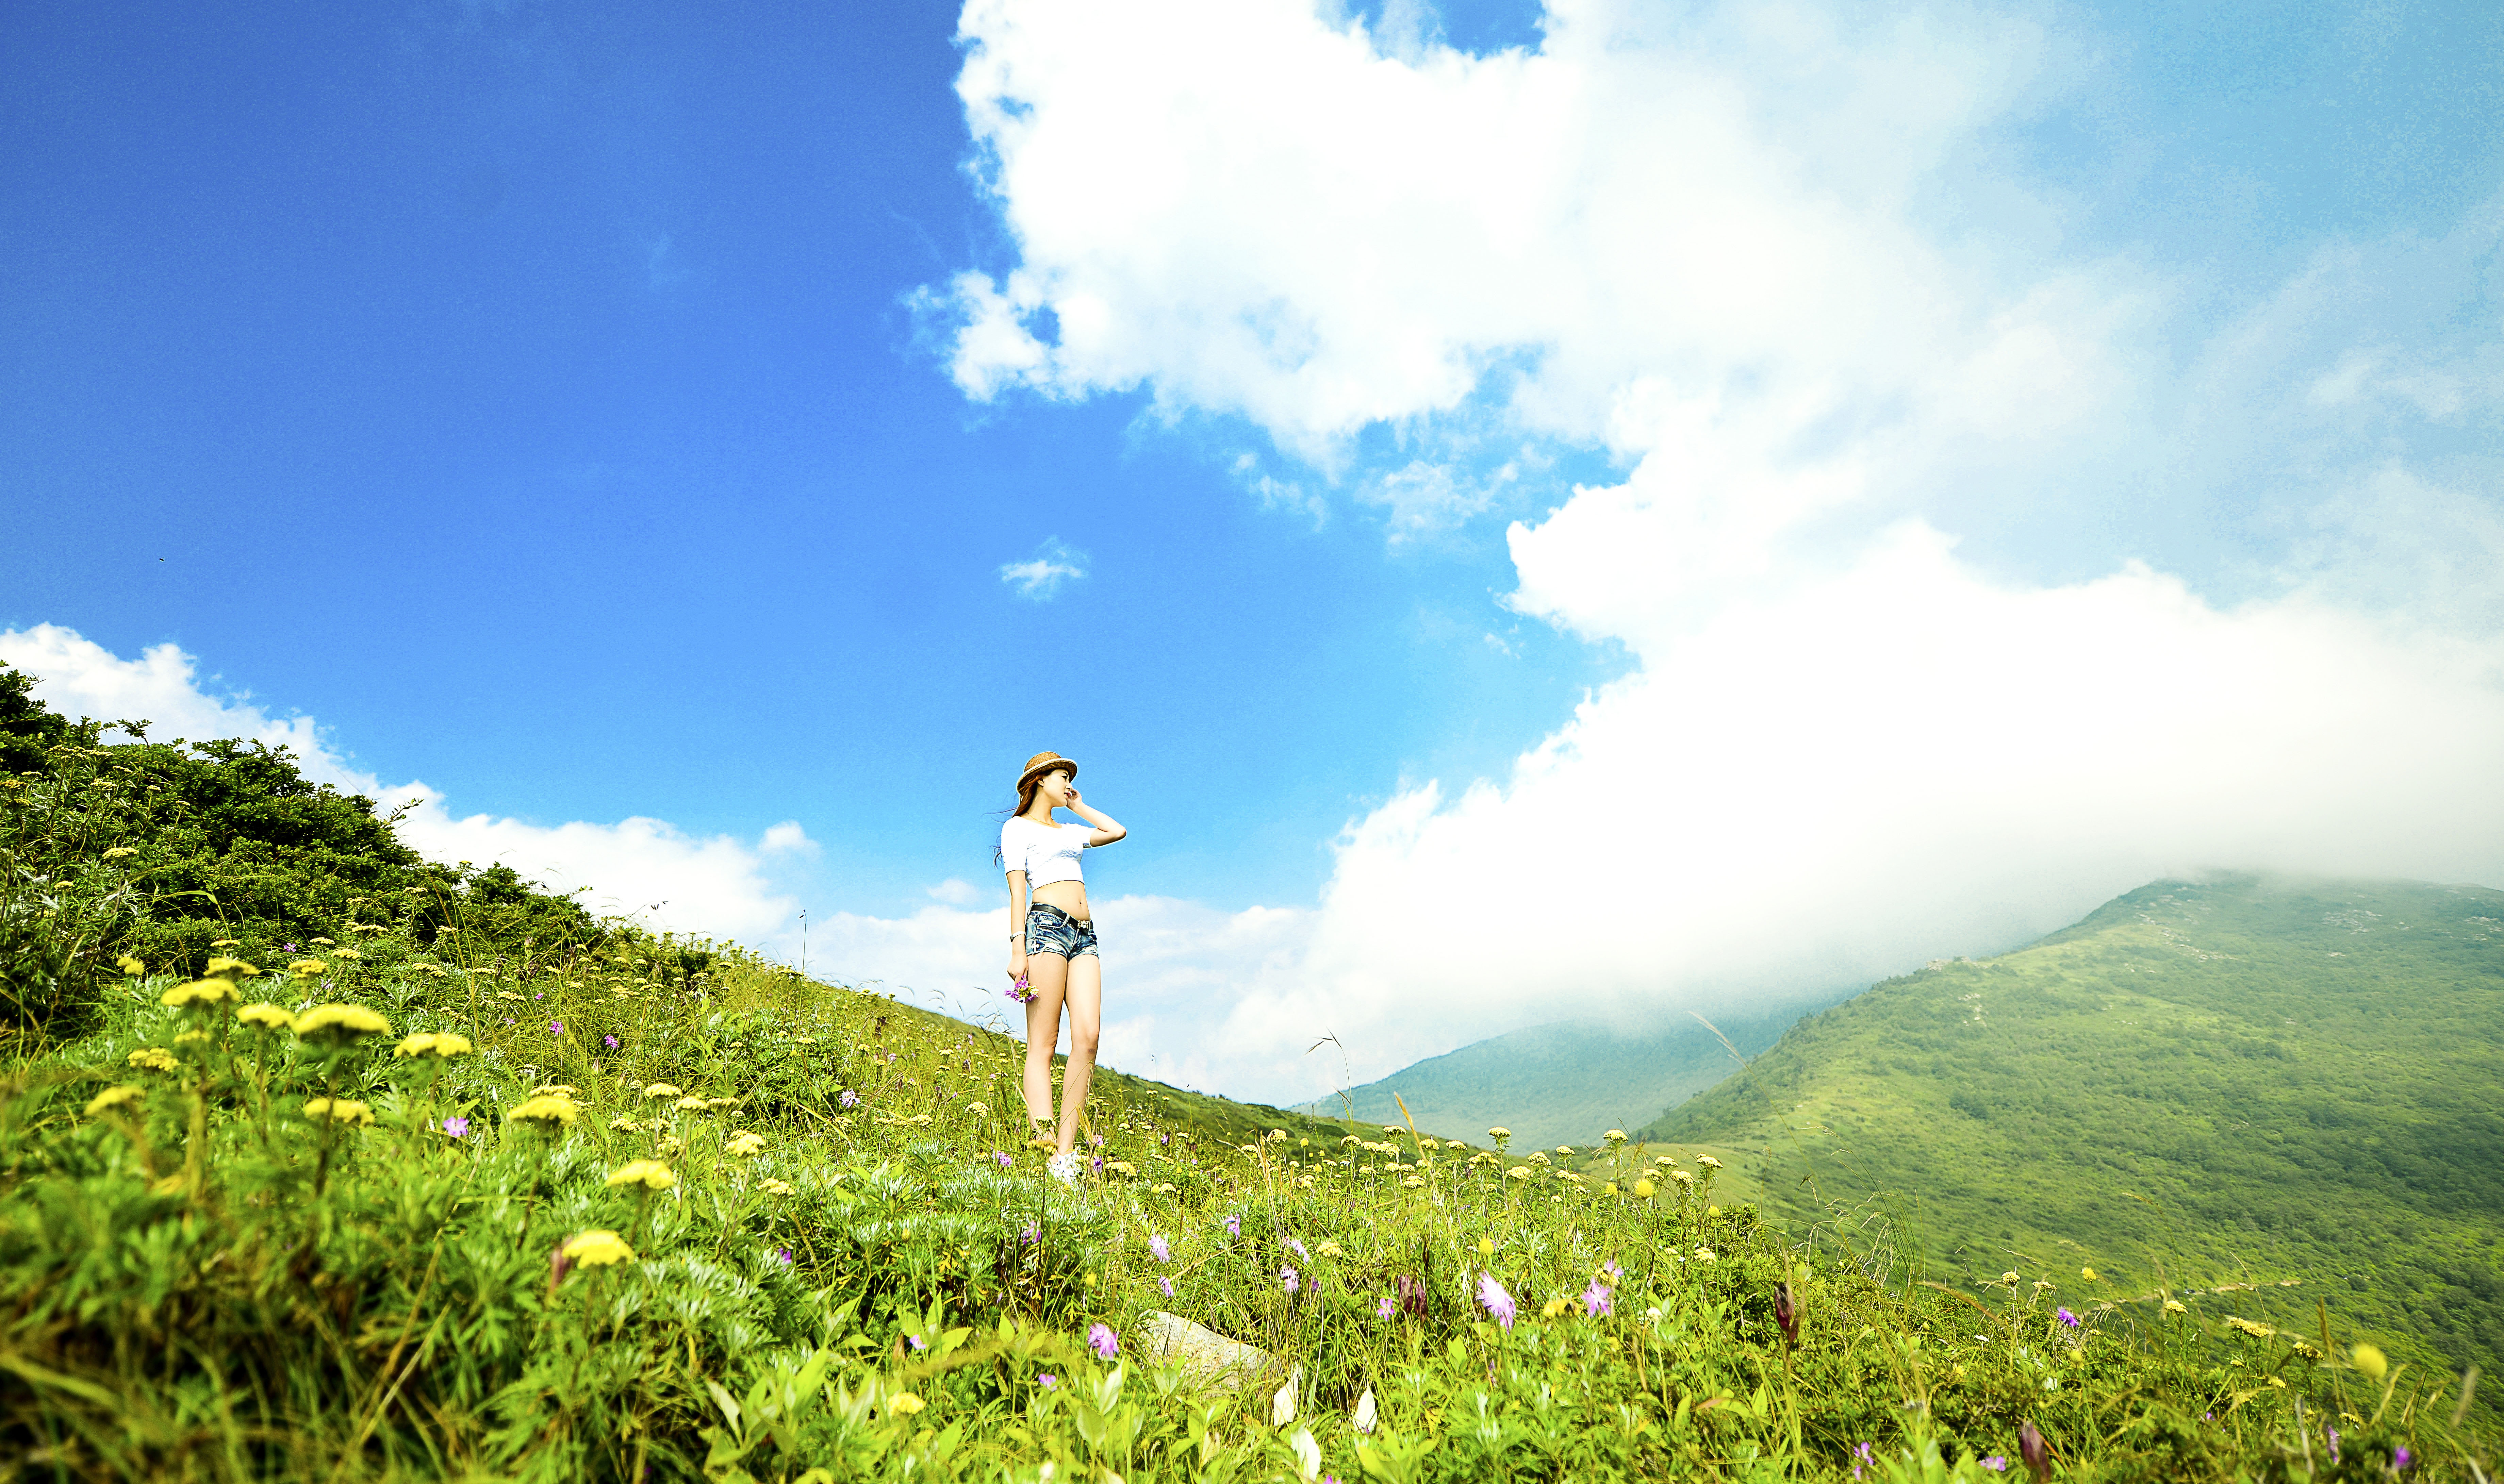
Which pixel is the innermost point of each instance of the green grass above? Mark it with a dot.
(2284, 1095)
(851, 1269)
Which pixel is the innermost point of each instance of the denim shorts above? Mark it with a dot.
(1050, 930)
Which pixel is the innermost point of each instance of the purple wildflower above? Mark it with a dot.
(1498, 1302)
(2334, 1443)
(1613, 1270)
(1098, 1164)
(1287, 1276)
(1860, 1460)
(1101, 1339)
(1298, 1248)
(611, 1042)
(556, 1027)
(1164, 1138)
(1158, 1249)
(1002, 1156)
(457, 1127)
(1165, 1284)
(2067, 1318)
(917, 1342)
(287, 947)
(1387, 1307)
(1234, 1226)
(1047, 1380)
(2400, 1456)
(850, 1099)
(1996, 1464)
(1596, 1300)
(1031, 1235)
(783, 1255)
(1096, 1140)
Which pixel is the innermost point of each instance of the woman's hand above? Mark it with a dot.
(1017, 963)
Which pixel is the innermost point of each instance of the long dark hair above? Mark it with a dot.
(1025, 802)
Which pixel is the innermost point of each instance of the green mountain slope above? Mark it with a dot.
(2237, 1081)
(1564, 1082)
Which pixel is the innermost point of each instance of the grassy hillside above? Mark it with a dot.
(2235, 1081)
(443, 1191)
(1566, 1083)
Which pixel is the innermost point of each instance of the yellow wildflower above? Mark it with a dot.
(1704, 1255)
(2088, 1273)
(1330, 1250)
(2008, 1277)
(545, 1110)
(2176, 1306)
(652, 1174)
(1518, 1172)
(267, 1015)
(693, 1105)
(340, 1021)
(199, 991)
(2370, 1360)
(556, 1090)
(1553, 1307)
(625, 1124)
(1643, 1190)
(129, 965)
(437, 1044)
(189, 1036)
(775, 1187)
(346, 952)
(235, 966)
(1486, 1247)
(118, 851)
(154, 1059)
(1708, 1161)
(1499, 1133)
(2256, 1332)
(977, 1109)
(723, 1102)
(338, 1110)
(745, 1144)
(662, 1090)
(1567, 1150)
(1168, 1189)
(309, 968)
(598, 1248)
(905, 1403)
(223, 943)
(114, 1097)
(507, 994)
(323, 942)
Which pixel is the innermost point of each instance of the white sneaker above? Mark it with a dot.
(1063, 1168)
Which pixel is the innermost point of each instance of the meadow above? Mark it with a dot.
(413, 1172)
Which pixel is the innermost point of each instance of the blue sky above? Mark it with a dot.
(570, 406)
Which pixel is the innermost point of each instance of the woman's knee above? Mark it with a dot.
(1081, 1038)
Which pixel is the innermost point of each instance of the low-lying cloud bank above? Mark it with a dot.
(637, 867)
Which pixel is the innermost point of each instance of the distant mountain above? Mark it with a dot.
(2237, 1081)
(1565, 1083)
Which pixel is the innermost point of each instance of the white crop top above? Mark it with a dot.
(1045, 855)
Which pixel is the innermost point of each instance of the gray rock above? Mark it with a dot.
(1208, 1355)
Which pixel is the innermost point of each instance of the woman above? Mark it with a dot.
(1052, 945)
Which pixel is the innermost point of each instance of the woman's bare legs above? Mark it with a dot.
(1047, 975)
(1085, 978)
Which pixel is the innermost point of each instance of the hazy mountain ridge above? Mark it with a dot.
(2238, 1080)
(1567, 1082)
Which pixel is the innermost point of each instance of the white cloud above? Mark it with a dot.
(956, 891)
(645, 868)
(1041, 576)
(1774, 257)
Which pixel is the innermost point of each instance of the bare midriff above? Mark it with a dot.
(1069, 896)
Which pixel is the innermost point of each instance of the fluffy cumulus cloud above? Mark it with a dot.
(641, 868)
(1040, 576)
(1775, 259)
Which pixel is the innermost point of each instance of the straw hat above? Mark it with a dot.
(1044, 762)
